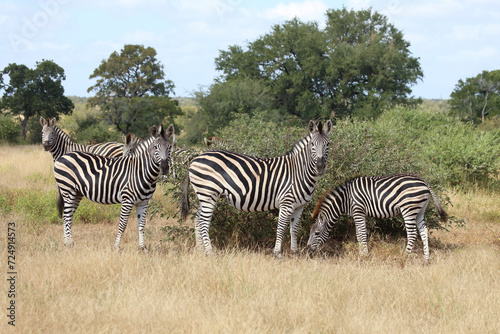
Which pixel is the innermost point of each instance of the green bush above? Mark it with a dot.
(37, 208)
(90, 213)
(9, 129)
(455, 153)
(357, 148)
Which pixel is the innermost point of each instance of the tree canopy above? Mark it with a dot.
(132, 91)
(477, 97)
(34, 92)
(357, 65)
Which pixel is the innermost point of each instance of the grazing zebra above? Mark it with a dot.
(380, 197)
(58, 143)
(129, 180)
(255, 184)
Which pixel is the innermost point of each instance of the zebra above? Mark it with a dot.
(216, 142)
(58, 143)
(380, 197)
(255, 184)
(178, 156)
(131, 144)
(129, 180)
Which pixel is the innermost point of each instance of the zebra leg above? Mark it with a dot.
(124, 214)
(360, 223)
(411, 233)
(71, 203)
(283, 219)
(199, 241)
(204, 216)
(294, 228)
(141, 209)
(424, 232)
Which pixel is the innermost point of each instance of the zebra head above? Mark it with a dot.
(319, 233)
(319, 230)
(131, 144)
(49, 134)
(160, 149)
(319, 143)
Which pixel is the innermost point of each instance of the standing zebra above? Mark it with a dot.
(58, 143)
(255, 184)
(380, 197)
(129, 180)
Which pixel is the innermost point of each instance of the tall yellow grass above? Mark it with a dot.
(174, 289)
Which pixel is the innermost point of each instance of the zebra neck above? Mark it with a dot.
(303, 163)
(145, 166)
(63, 144)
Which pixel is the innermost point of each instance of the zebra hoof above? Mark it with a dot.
(278, 255)
(69, 243)
(143, 249)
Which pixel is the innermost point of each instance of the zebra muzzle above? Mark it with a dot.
(164, 167)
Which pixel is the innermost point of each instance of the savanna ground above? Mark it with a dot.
(174, 289)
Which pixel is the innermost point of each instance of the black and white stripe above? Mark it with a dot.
(129, 180)
(379, 197)
(255, 184)
(58, 143)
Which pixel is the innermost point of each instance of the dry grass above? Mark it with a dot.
(173, 289)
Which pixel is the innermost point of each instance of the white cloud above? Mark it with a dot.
(57, 47)
(141, 37)
(486, 52)
(309, 10)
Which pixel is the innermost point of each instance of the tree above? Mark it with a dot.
(223, 101)
(477, 97)
(131, 90)
(34, 92)
(357, 65)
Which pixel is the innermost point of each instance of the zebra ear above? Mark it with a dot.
(128, 138)
(327, 127)
(43, 122)
(312, 126)
(154, 131)
(170, 131)
(52, 122)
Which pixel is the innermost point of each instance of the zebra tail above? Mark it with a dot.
(60, 203)
(185, 198)
(442, 214)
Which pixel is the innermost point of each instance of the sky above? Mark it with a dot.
(453, 39)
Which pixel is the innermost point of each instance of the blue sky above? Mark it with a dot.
(453, 39)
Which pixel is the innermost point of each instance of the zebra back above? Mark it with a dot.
(57, 142)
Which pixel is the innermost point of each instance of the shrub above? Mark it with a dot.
(9, 129)
(37, 208)
(356, 148)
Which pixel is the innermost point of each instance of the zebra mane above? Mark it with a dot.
(299, 144)
(142, 146)
(319, 204)
(63, 135)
